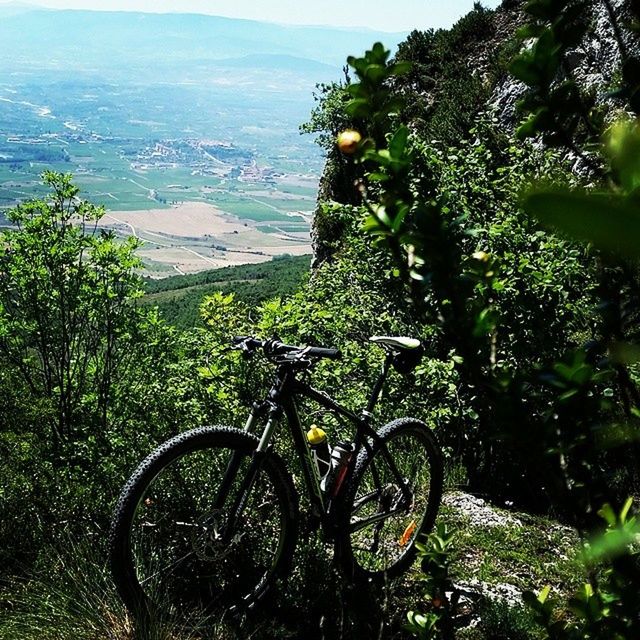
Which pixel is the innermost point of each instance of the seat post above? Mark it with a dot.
(377, 387)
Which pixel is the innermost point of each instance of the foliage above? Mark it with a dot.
(328, 117)
(64, 296)
(525, 378)
(428, 246)
(564, 113)
(463, 201)
(439, 590)
(445, 90)
(608, 607)
(178, 298)
(338, 307)
(90, 382)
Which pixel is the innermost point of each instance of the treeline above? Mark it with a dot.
(179, 297)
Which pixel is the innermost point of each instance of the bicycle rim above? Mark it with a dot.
(385, 520)
(184, 560)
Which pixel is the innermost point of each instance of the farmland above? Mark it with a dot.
(156, 180)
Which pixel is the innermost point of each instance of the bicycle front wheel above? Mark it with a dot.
(391, 500)
(173, 552)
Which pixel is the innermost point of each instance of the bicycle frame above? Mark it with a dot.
(282, 400)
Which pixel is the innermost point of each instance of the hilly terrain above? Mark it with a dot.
(178, 298)
(195, 115)
(119, 42)
(443, 226)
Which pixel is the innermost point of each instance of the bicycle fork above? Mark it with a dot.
(255, 463)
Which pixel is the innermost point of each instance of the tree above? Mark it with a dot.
(66, 290)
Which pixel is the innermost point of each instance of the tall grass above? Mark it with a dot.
(72, 598)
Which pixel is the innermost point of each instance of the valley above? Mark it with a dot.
(184, 127)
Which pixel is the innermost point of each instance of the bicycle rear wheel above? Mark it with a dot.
(171, 554)
(383, 517)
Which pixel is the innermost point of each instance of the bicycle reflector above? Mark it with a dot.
(408, 532)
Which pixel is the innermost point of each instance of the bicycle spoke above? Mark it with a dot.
(179, 540)
(390, 503)
(164, 569)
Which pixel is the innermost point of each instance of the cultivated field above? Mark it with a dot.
(194, 236)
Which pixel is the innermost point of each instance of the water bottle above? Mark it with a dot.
(319, 445)
(340, 457)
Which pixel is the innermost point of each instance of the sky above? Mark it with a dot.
(381, 15)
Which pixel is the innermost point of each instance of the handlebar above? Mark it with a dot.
(273, 348)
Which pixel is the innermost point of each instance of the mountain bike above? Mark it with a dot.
(209, 520)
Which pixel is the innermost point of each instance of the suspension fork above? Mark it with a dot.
(274, 410)
(249, 478)
(257, 411)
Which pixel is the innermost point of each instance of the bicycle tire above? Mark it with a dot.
(185, 454)
(397, 552)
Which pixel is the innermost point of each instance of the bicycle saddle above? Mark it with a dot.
(406, 352)
(397, 342)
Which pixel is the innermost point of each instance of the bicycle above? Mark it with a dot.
(210, 518)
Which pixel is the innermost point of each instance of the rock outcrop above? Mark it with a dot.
(593, 63)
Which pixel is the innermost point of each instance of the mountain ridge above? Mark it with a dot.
(26, 6)
(139, 36)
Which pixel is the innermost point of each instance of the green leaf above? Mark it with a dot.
(375, 72)
(544, 594)
(608, 514)
(401, 68)
(609, 222)
(536, 123)
(530, 30)
(398, 142)
(523, 68)
(543, 9)
(624, 512)
(613, 543)
(358, 108)
(379, 54)
(623, 146)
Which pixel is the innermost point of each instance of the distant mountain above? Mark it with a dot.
(15, 8)
(107, 43)
(276, 61)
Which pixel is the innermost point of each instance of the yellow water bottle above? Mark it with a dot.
(319, 445)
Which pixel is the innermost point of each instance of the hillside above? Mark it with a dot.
(179, 297)
(506, 461)
(460, 77)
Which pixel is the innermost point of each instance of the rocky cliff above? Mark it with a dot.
(460, 72)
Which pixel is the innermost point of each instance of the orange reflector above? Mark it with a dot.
(408, 532)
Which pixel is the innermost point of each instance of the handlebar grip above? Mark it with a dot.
(322, 352)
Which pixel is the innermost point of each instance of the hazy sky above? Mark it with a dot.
(384, 15)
